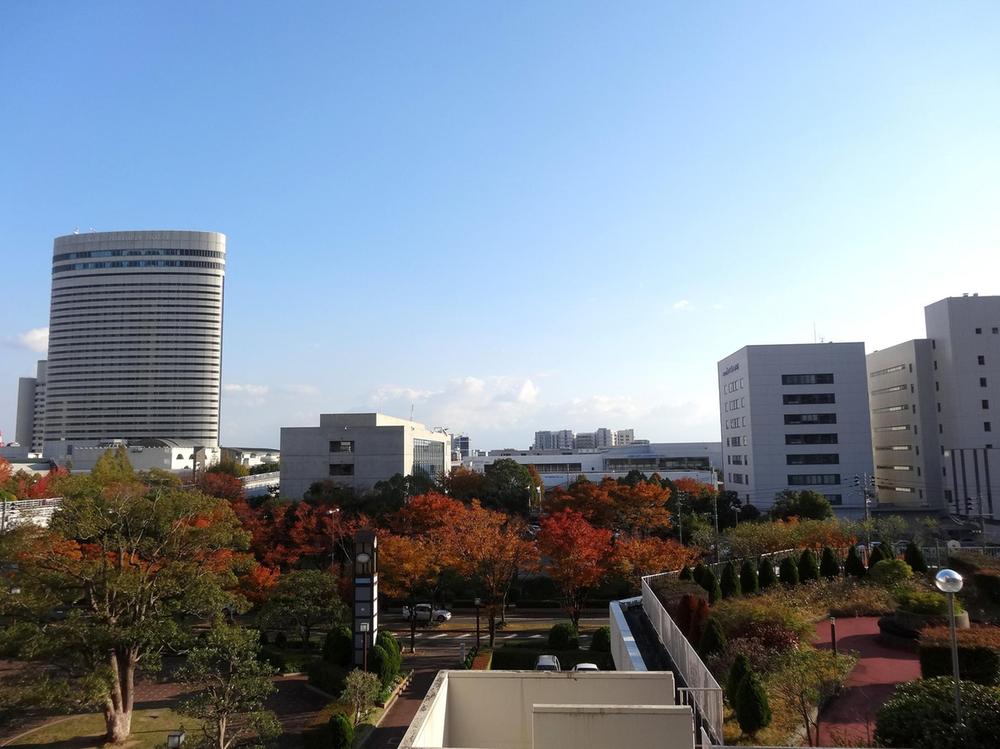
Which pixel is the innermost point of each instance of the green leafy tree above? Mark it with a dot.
(829, 567)
(232, 686)
(229, 466)
(338, 647)
(921, 715)
(508, 487)
(730, 583)
(341, 732)
(788, 571)
(915, 558)
(713, 638)
(808, 567)
(131, 565)
(753, 712)
(749, 580)
(301, 601)
(361, 690)
(765, 574)
(737, 672)
(853, 565)
(804, 505)
(711, 583)
(382, 664)
(808, 677)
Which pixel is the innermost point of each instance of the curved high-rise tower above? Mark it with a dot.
(135, 337)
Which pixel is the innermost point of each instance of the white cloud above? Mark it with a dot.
(301, 389)
(258, 391)
(682, 304)
(36, 339)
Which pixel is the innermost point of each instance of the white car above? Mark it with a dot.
(424, 612)
(586, 667)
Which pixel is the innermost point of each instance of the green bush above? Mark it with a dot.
(730, 583)
(281, 640)
(390, 644)
(734, 678)
(921, 715)
(380, 663)
(749, 582)
(924, 602)
(698, 575)
(853, 565)
(890, 573)
(713, 639)
(915, 558)
(808, 566)
(788, 571)
(765, 573)
(563, 636)
(338, 647)
(876, 555)
(341, 732)
(326, 676)
(711, 584)
(601, 641)
(686, 573)
(753, 712)
(978, 654)
(829, 567)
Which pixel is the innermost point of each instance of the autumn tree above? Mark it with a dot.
(577, 557)
(805, 504)
(303, 600)
(582, 496)
(426, 513)
(489, 548)
(635, 556)
(221, 484)
(130, 565)
(231, 685)
(409, 566)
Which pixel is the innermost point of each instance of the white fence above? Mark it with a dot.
(700, 690)
(37, 511)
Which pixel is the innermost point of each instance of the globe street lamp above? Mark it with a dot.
(950, 582)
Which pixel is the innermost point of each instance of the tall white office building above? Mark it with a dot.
(135, 341)
(796, 417)
(934, 405)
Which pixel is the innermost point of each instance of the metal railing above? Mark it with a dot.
(937, 556)
(37, 511)
(700, 686)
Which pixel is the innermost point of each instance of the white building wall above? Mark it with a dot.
(758, 423)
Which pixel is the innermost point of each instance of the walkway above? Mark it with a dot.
(850, 717)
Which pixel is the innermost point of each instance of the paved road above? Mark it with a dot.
(850, 717)
(395, 722)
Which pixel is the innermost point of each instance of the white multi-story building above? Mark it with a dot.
(560, 467)
(251, 457)
(796, 417)
(358, 450)
(135, 341)
(31, 410)
(934, 406)
(604, 437)
(624, 437)
(585, 441)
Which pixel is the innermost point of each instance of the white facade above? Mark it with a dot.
(80, 456)
(624, 437)
(944, 396)
(547, 710)
(251, 457)
(796, 417)
(135, 339)
(359, 450)
(561, 467)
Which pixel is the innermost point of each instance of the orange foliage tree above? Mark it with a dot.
(577, 557)
(409, 566)
(635, 556)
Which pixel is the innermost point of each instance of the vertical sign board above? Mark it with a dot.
(365, 593)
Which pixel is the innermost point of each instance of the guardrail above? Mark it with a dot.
(700, 687)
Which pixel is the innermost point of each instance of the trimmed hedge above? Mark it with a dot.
(601, 641)
(890, 572)
(788, 571)
(853, 565)
(808, 566)
(829, 567)
(978, 654)
(341, 732)
(749, 581)
(765, 573)
(921, 715)
(563, 636)
(730, 583)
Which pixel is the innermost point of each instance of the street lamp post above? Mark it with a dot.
(950, 582)
(332, 514)
(479, 603)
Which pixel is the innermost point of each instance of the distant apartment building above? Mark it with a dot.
(585, 441)
(358, 450)
(565, 439)
(251, 457)
(796, 417)
(560, 467)
(934, 410)
(461, 447)
(135, 342)
(624, 437)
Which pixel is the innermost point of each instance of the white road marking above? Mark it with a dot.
(508, 637)
(536, 637)
(437, 637)
(462, 637)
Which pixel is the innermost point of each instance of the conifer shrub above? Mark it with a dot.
(788, 571)
(749, 582)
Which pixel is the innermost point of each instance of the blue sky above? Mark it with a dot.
(511, 216)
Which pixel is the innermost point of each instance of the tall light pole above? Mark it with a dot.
(950, 582)
(332, 514)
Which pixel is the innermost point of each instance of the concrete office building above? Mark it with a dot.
(624, 437)
(796, 417)
(80, 456)
(251, 457)
(135, 340)
(31, 410)
(936, 410)
(358, 450)
(461, 447)
(585, 441)
(561, 467)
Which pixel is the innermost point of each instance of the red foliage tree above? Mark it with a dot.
(426, 513)
(577, 557)
(221, 485)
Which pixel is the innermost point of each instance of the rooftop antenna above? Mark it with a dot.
(76, 229)
(411, 412)
(814, 331)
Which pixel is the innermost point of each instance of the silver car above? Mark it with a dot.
(547, 663)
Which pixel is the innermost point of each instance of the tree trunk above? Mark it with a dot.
(493, 625)
(413, 632)
(118, 706)
(221, 739)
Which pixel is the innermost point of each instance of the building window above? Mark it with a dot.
(807, 379)
(987, 426)
(814, 459)
(982, 382)
(890, 409)
(986, 404)
(810, 439)
(428, 456)
(937, 386)
(813, 479)
(835, 499)
(895, 468)
(341, 469)
(979, 331)
(810, 418)
(996, 330)
(807, 399)
(342, 446)
(896, 448)
(896, 428)
(888, 370)
(982, 360)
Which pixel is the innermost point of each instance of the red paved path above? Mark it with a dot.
(395, 722)
(851, 715)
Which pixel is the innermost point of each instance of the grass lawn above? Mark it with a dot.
(149, 730)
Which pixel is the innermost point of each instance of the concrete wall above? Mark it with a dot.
(624, 650)
(586, 726)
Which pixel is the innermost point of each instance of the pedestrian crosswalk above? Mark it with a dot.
(403, 634)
